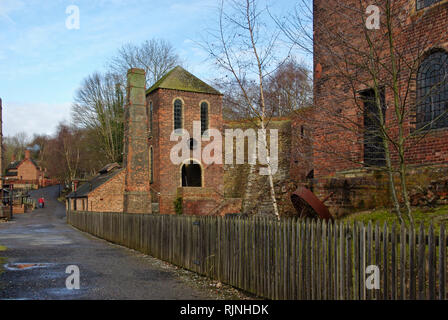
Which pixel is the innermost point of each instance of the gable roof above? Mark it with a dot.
(86, 188)
(16, 164)
(182, 80)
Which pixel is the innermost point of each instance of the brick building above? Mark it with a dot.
(420, 36)
(25, 174)
(175, 102)
(149, 181)
(104, 193)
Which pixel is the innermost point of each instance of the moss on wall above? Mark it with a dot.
(244, 181)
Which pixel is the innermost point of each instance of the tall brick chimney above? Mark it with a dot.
(137, 197)
(27, 154)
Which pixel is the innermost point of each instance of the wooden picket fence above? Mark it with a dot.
(291, 259)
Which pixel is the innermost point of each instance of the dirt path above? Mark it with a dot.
(46, 245)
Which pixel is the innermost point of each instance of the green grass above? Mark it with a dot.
(436, 216)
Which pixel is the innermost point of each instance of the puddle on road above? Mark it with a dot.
(25, 266)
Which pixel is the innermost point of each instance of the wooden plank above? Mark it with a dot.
(342, 270)
(385, 240)
(350, 291)
(324, 261)
(330, 247)
(356, 254)
(442, 263)
(293, 273)
(412, 263)
(421, 263)
(312, 246)
(403, 262)
(431, 264)
(362, 263)
(394, 291)
(318, 268)
(369, 293)
(307, 256)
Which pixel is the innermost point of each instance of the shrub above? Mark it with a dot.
(178, 205)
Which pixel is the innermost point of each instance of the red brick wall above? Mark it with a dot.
(28, 171)
(167, 178)
(302, 129)
(428, 29)
(108, 197)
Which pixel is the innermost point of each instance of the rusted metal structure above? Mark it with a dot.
(309, 206)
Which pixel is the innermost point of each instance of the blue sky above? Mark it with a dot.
(42, 63)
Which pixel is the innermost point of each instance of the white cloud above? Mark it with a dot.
(31, 118)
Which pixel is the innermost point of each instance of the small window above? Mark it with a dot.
(204, 117)
(151, 165)
(177, 114)
(432, 92)
(150, 117)
(426, 3)
(374, 153)
(191, 175)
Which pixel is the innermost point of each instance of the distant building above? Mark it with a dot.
(25, 174)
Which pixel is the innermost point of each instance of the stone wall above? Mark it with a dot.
(358, 190)
(245, 182)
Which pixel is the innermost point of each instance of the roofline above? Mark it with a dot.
(113, 175)
(148, 92)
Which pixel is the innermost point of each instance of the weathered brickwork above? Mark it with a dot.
(294, 165)
(167, 176)
(109, 196)
(355, 187)
(137, 198)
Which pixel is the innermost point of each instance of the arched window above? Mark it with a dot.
(178, 114)
(204, 117)
(151, 165)
(150, 117)
(191, 174)
(432, 92)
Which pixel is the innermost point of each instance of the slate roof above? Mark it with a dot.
(16, 164)
(87, 187)
(182, 80)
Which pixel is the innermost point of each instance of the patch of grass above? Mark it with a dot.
(436, 216)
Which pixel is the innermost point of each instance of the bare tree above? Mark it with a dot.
(15, 146)
(243, 47)
(99, 107)
(156, 57)
(289, 88)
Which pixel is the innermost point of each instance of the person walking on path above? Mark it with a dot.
(41, 202)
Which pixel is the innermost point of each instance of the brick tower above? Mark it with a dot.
(137, 198)
(175, 102)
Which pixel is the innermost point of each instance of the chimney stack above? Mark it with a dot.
(27, 154)
(137, 197)
(13, 158)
